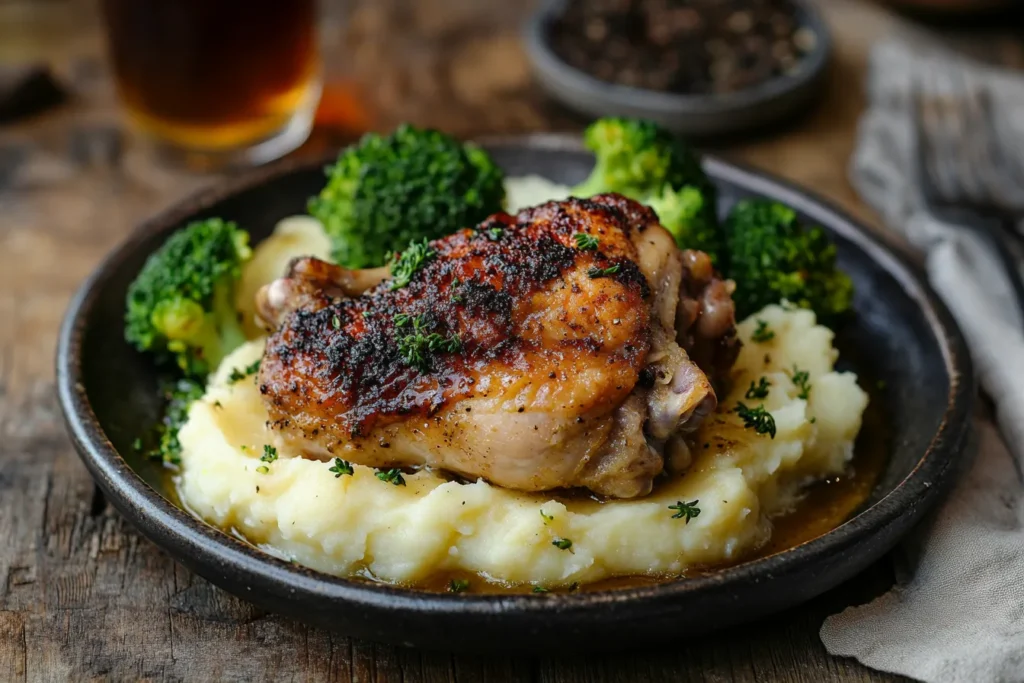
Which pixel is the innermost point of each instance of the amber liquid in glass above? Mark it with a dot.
(215, 74)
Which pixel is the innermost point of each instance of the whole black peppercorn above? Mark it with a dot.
(682, 46)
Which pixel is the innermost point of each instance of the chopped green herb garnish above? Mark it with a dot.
(685, 510)
(760, 390)
(762, 333)
(452, 344)
(179, 395)
(137, 447)
(802, 381)
(415, 348)
(758, 419)
(366, 314)
(392, 476)
(494, 234)
(458, 585)
(336, 322)
(540, 589)
(594, 272)
(455, 284)
(263, 469)
(269, 453)
(403, 266)
(585, 242)
(547, 518)
(562, 543)
(238, 375)
(341, 467)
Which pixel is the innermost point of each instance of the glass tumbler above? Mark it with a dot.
(217, 83)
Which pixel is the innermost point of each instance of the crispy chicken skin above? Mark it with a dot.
(559, 365)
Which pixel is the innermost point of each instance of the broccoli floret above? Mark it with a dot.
(180, 307)
(414, 184)
(683, 214)
(645, 162)
(772, 257)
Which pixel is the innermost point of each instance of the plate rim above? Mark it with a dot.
(163, 522)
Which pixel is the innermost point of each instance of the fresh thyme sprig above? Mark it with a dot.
(238, 375)
(392, 476)
(758, 419)
(594, 272)
(341, 467)
(685, 510)
(403, 266)
(417, 346)
(759, 390)
(802, 381)
(586, 242)
(762, 332)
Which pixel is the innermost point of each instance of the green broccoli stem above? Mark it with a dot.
(199, 340)
(224, 333)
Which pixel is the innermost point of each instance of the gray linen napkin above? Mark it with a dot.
(957, 612)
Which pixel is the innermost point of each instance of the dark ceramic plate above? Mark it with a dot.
(695, 116)
(109, 395)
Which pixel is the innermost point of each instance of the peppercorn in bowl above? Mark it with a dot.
(358, 538)
(702, 68)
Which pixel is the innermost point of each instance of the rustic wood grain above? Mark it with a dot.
(82, 596)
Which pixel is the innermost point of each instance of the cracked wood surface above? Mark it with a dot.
(82, 595)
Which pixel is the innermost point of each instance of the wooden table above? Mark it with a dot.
(83, 596)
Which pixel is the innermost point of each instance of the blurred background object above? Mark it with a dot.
(696, 47)
(952, 6)
(217, 82)
(702, 68)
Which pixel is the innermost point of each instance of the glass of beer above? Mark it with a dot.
(217, 83)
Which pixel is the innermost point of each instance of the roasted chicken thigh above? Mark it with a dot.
(538, 351)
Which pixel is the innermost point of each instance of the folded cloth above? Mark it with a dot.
(957, 612)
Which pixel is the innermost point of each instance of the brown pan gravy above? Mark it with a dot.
(825, 506)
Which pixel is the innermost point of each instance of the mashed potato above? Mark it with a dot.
(532, 190)
(295, 236)
(300, 510)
